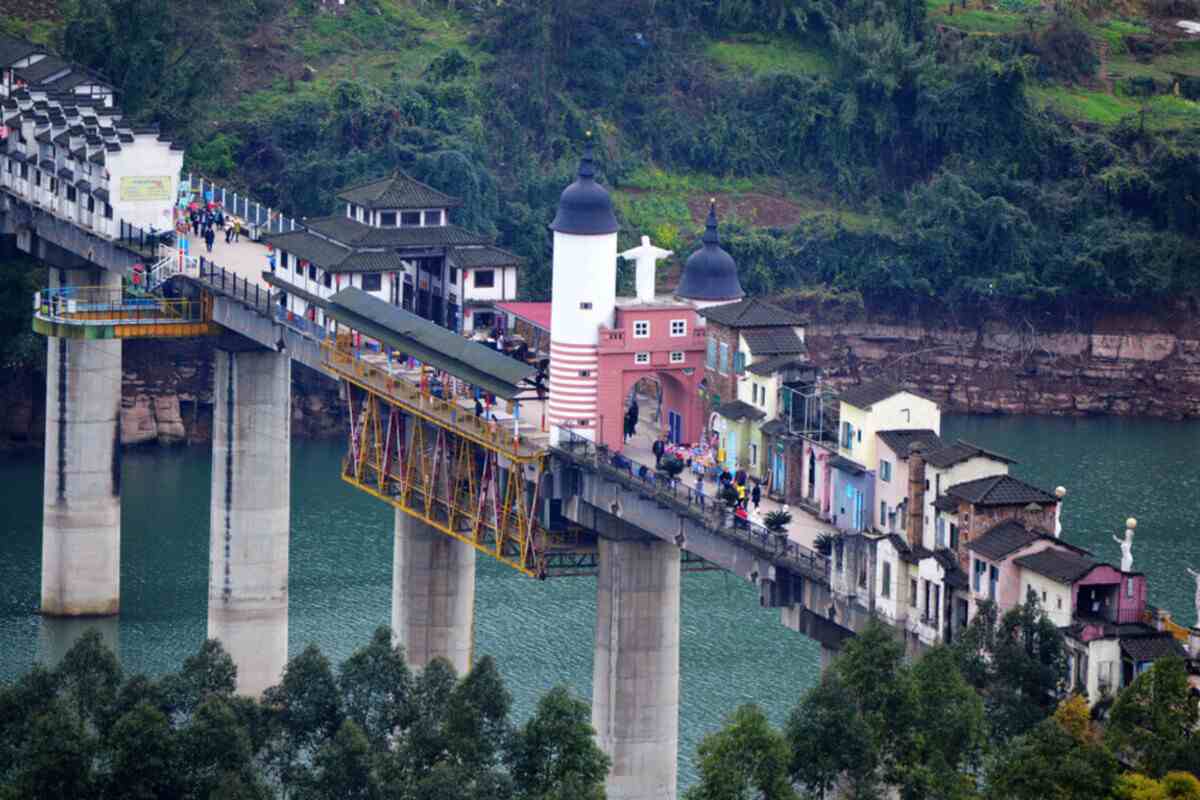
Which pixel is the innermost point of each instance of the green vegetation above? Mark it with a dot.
(370, 729)
(984, 719)
(760, 55)
(901, 153)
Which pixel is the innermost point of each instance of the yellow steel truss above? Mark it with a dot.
(469, 491)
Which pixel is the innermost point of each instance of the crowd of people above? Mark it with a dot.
(203, 221)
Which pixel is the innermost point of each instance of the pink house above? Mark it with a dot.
(1105, 593)
(661, 339)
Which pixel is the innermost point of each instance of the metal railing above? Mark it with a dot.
(500, 435)
(708, 506)
(102, 305)
(233, 285)
(298, 323)
(262, 217)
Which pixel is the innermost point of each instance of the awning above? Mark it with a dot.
(429, 342)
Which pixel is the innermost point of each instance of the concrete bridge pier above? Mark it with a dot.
(250, 513)
(433, 595)
(81, 511)
(635, 671)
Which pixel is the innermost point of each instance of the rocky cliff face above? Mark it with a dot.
(166, 398)
(1117, 364)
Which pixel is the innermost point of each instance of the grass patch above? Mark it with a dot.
(761, 55)
(1084, 105)
(1008, 17)
(653, 179)
(1114, 31)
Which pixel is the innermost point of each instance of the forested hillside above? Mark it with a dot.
(897, 151)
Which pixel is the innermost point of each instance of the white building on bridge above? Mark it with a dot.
(393, 239)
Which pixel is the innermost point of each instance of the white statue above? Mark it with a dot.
(645, 257)
(1196, 598)
(1127, 545)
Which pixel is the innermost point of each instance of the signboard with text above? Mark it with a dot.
(145, 188)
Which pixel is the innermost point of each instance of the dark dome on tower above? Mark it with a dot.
(585, 208)
(710, 273)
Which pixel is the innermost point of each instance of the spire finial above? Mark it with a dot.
(710, 226)
(586, 166)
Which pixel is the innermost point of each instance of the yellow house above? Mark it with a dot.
(869, 408)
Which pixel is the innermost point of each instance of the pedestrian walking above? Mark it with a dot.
(237, 230)
(478, 408)
(756, 495)
(208, 238)
(659, 448)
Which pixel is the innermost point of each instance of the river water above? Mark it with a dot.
(540, 633)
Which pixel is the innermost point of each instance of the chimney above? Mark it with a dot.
(1032, 517)
(916, 494)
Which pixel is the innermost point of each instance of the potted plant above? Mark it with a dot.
(671, 466)
(777, 520)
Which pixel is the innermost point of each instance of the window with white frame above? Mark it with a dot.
(641, 329)
(679, 327)
(641, 358)
(676, 356)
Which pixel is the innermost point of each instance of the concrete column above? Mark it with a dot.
(433, 595)
(250, 514)
(635, 671)
(81, 510)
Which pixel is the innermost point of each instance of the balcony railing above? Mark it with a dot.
(101, 305)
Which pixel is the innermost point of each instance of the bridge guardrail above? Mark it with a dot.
(105, 305)
(262, 217)
(233, 285)
(710, 507)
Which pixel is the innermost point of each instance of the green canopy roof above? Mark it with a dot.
(429, 342)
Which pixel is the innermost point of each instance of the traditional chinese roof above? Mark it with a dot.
(751, 313)
(37, 72)
(487, 256)
(353, 233)
(305, 245)
(13, 50)
(1059, 565)
(736, 410)
(397, 191)
(902, 439)
(773, 341)
(949, 455)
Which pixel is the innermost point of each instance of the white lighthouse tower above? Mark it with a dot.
(583, 295)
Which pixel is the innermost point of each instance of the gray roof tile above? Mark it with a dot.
(351, 232)
(901, 440)
(1060, 565)
(739, 410)
(1151, 647)
(949, 455)
(751, 313)
(397, 191)
(1000, 490)
(772, 341)
(865, 395)
(302, 244)
(1003, 538)
(487, 256)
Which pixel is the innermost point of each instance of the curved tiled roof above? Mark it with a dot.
(487, 256)
(949, 455)
(865, 395)
(353, 233)
(397, 191)
(1003, 538)
(773, 341)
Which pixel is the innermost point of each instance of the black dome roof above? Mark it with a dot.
(710, 273)
(585, 207)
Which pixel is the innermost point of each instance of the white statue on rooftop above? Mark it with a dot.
(1196, 597)
(1127, 545)
(645, 256)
